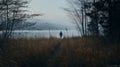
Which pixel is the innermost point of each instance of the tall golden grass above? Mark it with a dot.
(73, 52)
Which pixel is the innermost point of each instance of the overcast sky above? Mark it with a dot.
(51, 9)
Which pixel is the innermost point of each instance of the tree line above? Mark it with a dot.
(96, 17)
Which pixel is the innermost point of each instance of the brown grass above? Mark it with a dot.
(74, 52)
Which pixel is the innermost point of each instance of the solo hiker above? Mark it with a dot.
(61, 34)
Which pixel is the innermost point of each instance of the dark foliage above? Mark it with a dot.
(107, 14)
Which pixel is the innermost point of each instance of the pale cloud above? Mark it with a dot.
(50, 8)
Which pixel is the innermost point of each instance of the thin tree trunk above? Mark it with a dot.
(83, 22)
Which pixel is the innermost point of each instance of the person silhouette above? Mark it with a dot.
(61, 34)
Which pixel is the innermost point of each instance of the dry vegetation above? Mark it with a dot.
(74, 52)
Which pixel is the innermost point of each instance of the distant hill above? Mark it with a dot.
(45, 25)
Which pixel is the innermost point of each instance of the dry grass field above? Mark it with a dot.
(71, 52)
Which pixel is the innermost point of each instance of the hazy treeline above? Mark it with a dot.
(96, 17)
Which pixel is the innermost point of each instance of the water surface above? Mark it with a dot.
(43, 33)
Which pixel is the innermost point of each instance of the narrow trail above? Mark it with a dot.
(54, 51)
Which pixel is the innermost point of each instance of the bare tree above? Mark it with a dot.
(77, 11)
(12, 14)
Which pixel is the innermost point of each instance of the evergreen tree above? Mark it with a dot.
(108, 16)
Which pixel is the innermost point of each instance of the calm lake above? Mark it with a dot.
(43, 33)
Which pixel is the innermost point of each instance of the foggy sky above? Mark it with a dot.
(51, 9)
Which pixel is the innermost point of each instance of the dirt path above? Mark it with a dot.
(54, 51)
